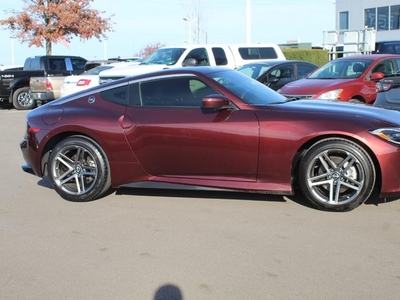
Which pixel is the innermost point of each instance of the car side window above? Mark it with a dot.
(220, 56)
(199, 54)
(303, 70)
(117, 95)
(174, 92)
(385, 66)
(284, 73)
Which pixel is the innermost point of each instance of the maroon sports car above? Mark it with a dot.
(213, 127)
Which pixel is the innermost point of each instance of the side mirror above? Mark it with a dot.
(272, 79)
(377, 76)
(215, 101)
(190, 62)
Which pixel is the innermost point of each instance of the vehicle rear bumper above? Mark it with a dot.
(42, 96)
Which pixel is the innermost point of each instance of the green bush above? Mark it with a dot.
(315, 56)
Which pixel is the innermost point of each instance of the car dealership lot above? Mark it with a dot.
(145, 243)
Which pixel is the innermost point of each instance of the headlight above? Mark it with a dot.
(388, 134)
(331, 95)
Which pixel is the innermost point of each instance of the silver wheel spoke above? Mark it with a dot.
(74, 170)
(335, 177)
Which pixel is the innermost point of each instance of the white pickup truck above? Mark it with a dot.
(231, 56)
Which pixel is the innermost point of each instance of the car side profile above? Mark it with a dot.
(388, 92)
(275, 74)
(351, 78)
(213, 127)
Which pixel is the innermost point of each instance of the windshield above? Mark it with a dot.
(342, 69)
(254, 70)
(163, 56)
(249, 90)
(97, 70)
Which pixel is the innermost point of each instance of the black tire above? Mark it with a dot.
(22, 100)
(336, 175)
(356, 101)
(78, 169)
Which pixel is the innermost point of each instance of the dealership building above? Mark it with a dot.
(381, 15)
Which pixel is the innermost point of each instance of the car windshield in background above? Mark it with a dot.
(255, 70)
(97, 70)
(167, 56)
(342, 69)
(248, 89)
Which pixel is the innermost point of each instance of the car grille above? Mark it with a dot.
(298, 96)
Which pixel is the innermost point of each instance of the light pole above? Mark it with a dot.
(190, 28)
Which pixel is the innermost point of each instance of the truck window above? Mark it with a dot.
(32, 63)
(57, 64)
(220, 56)
(78, 64)
(199, 54)
(257, 53)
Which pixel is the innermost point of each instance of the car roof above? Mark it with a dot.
(369, 56)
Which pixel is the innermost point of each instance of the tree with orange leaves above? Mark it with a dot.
(43, 22)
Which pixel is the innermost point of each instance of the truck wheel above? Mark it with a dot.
(22, 100)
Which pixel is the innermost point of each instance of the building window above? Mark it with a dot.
(383, 18)
(394, 17)
(370, 17)
(343, 20)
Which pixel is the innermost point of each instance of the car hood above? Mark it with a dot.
(327, 108)
(312, 86)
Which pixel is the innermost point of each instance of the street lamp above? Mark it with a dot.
(190, 27)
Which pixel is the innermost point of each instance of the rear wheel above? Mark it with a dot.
(336, 175)
(22, 100)
(78, 169)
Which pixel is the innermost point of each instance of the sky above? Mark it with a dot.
(138, 23)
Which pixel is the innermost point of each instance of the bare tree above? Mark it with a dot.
(48, 21)
(195, 14)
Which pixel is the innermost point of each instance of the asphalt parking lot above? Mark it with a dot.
(178, 244)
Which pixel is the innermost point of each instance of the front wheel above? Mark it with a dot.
(22, 100)
(336, 175)
(78, 169)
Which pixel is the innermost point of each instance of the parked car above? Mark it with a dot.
(388, 92)
(76, 83)
(90, 64)
(387, 47)
(275, 74)
(349, 78)
(213, 127)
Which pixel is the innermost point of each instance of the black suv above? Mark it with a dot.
(387, 47)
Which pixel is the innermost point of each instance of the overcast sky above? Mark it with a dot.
(143, 22)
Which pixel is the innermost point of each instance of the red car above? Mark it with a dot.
(213, 127)
(350, 78)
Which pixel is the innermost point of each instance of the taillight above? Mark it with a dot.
(383, 87)
(48, 85)
(33, 130)
(83, 82)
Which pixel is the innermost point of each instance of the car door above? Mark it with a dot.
(175, 136)
(302, 70)
(281, 75)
